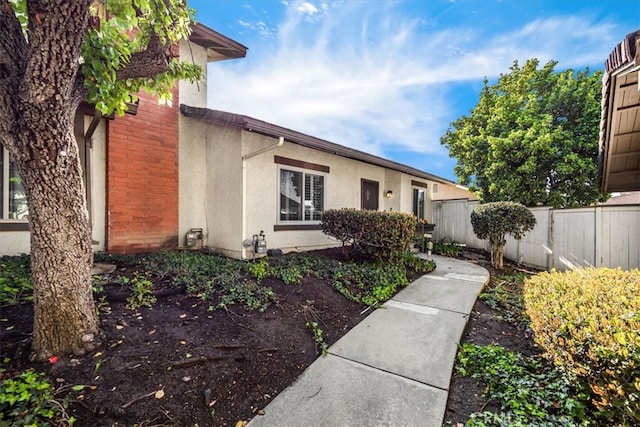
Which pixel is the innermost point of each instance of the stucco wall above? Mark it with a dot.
(229, 187)
(98, 184)
(194, 94)
(224, 190)
(343, 190)
(14, 242)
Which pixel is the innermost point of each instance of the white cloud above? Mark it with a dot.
(364, 75)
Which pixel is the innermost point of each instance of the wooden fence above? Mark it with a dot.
(602, 236)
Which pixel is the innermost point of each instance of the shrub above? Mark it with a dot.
(447, 247)
(495, 220)
(28, 400)
(15, 280)
(529, 391)
(588, 321)
(382, 235)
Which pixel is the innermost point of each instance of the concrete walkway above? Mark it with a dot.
(394, 367)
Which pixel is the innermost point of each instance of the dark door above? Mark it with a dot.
(370, 194)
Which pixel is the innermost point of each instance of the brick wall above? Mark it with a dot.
(142, 178)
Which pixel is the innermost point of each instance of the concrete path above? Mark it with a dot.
(394, 367)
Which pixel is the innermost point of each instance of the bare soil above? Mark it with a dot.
(180, 364)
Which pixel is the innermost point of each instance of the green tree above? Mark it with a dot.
(495, 220)
(53, 55)
(532, 138)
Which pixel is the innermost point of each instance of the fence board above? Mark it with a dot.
(607, 236)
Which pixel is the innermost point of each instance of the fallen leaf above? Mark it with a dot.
(119, 327)
(182, 316)
(98, 354)
(152, 332)
(242, 423)
(159, 394)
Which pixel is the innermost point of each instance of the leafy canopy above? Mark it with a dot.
(130, 45)
(532, 138)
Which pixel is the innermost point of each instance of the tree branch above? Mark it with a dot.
(13, 47)
(13, 44)
(147, 63)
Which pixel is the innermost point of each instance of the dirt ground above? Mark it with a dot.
(180, 364)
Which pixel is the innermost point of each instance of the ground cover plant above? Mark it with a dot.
(222, 338)
(503, 376)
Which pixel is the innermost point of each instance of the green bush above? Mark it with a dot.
(381, 235)
(15, 280)
(28, 400)
(495, 220)
(588, 321)
(446, 247)
(529, 392)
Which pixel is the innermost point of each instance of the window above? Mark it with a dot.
(13, 200)
(418, 202)
(301, 195)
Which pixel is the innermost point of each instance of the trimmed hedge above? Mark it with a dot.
(588, 321)
(382, 235)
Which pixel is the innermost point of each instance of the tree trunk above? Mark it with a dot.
(40, 90)
(497, 257)
(65, 320)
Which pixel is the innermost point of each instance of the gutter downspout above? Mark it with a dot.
(244, 188)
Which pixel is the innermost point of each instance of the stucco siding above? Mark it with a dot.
(194, 94)
(343, 190)
(14, 242)
(223, 199)
(98, 183)
(192, 178)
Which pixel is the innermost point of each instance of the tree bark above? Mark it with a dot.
(497, 257)
(65, 320)
(39, 88)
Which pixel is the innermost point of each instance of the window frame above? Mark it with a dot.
(302, 223)
(6, 223)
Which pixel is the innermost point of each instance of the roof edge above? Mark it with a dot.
(221, 44)
(268, 129)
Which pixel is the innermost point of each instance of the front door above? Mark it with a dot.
(369, 195)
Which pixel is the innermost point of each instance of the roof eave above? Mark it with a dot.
(268, 129)
(219, 47)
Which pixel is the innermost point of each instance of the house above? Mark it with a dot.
(182, 175)
(619, 158)
(130, 166)
(242, 177)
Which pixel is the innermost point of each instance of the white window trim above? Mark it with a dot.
(304, 172)
(4, 189)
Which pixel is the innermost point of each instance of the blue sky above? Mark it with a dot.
(388, 77)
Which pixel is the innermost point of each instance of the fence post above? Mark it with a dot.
(598, 238)
(552, 249)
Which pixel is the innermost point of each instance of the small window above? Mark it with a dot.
(301, 196)
(13, 199)
(419, 196)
